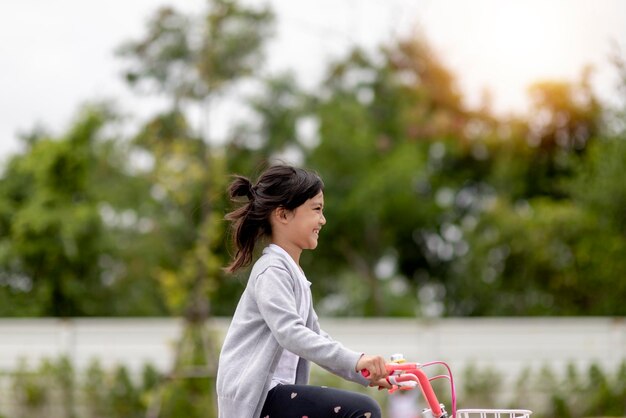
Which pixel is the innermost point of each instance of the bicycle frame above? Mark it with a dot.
(406, 376)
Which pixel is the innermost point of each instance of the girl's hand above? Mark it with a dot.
(375, 365)
(382, 384)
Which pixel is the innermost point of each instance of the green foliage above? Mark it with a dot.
(188, 175)
(189, 390)
(190, 398)
(49, 388)
(30, 392)
(63, 373)
(53, 235)
(97, 393)
(369, 214)
(73, 227)
(114, 393)
(56, 389)
(478, 385)
(433, 209)
(150, 378)
(548, 392)
(124, 396)
(595, 185)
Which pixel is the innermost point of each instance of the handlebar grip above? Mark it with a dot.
(366, 373)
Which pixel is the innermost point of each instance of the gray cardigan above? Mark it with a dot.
(266, 322)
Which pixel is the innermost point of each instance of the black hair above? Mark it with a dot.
(278, 186)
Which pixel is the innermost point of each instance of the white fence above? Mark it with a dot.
(506, 344)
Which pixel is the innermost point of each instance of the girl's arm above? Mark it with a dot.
(275, 297)
(374, 364)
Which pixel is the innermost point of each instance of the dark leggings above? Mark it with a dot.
(303, 401)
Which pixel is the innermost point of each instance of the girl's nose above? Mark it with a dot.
(323, 220)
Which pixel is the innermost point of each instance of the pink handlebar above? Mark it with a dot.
(407, 372)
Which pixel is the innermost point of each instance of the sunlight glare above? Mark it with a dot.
(506, 46)
(528, 42)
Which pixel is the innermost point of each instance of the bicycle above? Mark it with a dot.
(408, 376)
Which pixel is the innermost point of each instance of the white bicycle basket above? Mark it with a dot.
(493, 413)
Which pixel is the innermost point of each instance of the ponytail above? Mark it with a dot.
(246, 231)
(278, 186)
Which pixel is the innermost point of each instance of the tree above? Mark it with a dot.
(61, 253)
(540, 245)
(377, 123)
(189, 58)
(192, 62)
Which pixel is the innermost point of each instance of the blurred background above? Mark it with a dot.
(472, 154)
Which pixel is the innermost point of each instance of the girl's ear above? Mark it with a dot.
(281, 214)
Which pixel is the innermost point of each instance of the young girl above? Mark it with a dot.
(264, 363)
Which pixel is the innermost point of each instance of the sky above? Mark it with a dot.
(56, 55)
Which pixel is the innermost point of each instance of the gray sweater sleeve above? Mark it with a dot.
(275, 297)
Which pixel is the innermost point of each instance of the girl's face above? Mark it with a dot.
(306, 221)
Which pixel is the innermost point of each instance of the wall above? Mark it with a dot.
(507, 344)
